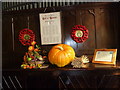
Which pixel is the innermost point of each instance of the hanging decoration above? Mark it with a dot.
(79, 33)
(26, 36)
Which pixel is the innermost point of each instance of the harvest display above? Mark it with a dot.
(59, 55)
(32, 58)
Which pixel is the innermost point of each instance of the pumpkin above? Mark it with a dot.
(61, 55)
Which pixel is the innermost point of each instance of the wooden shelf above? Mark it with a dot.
(88, 66)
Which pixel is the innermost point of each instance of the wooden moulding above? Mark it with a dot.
(106, 53)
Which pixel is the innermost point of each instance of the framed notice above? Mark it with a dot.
(105, 56)
(50, 28)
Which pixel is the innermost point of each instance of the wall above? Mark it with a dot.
(101, 19)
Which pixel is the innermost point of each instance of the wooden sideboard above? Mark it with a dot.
(90, 76)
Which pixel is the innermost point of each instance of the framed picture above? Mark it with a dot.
(50, 28)
(105, 56)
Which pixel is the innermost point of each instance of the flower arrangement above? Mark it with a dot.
(32, 58)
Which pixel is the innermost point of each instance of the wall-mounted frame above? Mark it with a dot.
(50, 28)
(105, 56)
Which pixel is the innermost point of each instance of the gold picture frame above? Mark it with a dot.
(105, 56)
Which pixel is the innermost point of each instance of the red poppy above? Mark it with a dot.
(79, 33)
(26, 36)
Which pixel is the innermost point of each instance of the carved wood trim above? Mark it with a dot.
(91, 12)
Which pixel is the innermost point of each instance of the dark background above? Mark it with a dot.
(101, 19)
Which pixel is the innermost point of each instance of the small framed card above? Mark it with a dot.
(105, 56)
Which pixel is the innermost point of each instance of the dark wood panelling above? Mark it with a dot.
(19, 50)
(7, 41)
(103, 28)
(105, 33)
(7, 34)
(115, 14)
(70, 16)
(19, 24)
(86, 18)
(13, 80)
(63, 78)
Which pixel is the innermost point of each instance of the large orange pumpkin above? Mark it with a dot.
(61, 55)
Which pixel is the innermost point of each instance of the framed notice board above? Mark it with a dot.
(50, 28)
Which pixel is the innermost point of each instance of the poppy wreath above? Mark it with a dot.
(26, 36)
(79, 33)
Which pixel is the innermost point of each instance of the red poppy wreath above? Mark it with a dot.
(79, 33)
(26, 36)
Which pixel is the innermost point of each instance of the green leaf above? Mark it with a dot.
(37, 46)
(38, 56)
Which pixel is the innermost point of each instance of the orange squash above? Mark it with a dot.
(61, 55)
